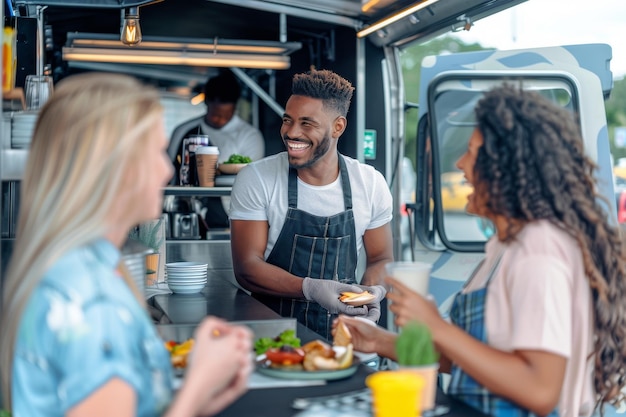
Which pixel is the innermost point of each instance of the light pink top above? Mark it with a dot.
(540, 300)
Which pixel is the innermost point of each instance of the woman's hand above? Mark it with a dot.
(237, 387)
(220, 364)
(407, 305)
(367, 337)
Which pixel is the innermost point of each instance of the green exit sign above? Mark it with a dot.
(369, 144)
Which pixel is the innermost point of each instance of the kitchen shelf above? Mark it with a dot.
(198, 191)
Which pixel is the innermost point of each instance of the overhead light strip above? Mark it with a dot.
(134, 56)
(394, 18)
(115, 44)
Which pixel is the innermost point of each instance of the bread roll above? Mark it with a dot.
(342, 335)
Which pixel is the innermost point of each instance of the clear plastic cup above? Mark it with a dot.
(414, 275)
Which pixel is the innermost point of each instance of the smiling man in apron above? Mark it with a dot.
(300, 218)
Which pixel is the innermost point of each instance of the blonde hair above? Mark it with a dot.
(80, 162)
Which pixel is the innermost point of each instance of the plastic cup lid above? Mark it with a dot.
(207, 150)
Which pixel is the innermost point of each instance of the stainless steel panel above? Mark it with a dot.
(13, 163)
(215, 253)
(9, 208)
(260, 328)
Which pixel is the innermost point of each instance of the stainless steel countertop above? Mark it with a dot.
(219, 298)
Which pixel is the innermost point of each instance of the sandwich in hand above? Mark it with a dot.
(321, 356)
(356, 299)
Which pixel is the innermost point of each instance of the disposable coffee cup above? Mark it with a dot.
(206, 165)
(414, 275)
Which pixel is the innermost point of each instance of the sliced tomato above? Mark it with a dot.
(285, 355)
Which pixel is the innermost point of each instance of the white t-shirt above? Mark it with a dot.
(540, 299)
(236, 136)
(260, 193)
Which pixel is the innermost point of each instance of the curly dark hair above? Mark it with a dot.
(223, 88)
(533, 166)
(334, 90)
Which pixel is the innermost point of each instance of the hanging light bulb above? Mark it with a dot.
(131, 31)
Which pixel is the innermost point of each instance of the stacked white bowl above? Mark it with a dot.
(186, 277)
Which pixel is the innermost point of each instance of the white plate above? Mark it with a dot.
(186, 265)
(264, 369)
(188, 275)
(187, 268)
(186, 289)
(186, 278)
(186, 271)
(187, 282)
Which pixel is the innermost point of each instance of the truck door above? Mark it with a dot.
(575, 77)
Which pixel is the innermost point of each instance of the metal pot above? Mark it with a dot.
(185, 226)
(134, 258)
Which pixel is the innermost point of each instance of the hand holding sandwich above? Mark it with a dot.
(326, 293)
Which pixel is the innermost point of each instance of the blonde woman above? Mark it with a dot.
(75, 338)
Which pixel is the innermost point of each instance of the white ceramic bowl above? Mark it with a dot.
(186, 265)
(186, 282)
(186, 275)
(185, 289)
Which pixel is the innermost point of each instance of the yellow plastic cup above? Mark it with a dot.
(395, 393)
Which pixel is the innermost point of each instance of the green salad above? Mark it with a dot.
(238, 159)
(286, 338)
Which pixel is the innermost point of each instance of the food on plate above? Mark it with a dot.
(285, 357)
(356, 298)
(287, 337)
(316, 355)
(238, 159)
(179, 352)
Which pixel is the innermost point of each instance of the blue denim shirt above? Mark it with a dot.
(81, 328)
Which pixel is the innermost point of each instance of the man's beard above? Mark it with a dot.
(318, 152)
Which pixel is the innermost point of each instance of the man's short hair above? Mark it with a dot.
(334, 90)
(223, 88)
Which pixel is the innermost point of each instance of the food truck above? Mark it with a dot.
(265, 42)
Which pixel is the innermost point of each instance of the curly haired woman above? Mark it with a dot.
(539, 329)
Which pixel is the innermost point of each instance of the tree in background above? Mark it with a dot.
(411, 59)
(616, 115)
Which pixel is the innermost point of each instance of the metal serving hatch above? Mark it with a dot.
(260, 328)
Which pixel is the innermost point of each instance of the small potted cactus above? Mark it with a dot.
(416, 353)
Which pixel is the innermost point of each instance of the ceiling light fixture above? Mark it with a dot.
(131, 30)
(394, 18)
(91, 47)
(176, 58)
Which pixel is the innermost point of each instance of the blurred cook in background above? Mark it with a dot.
(226, 130)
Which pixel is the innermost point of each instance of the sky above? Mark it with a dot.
(537, 23)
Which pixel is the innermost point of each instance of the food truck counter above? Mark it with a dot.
(223, 299)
